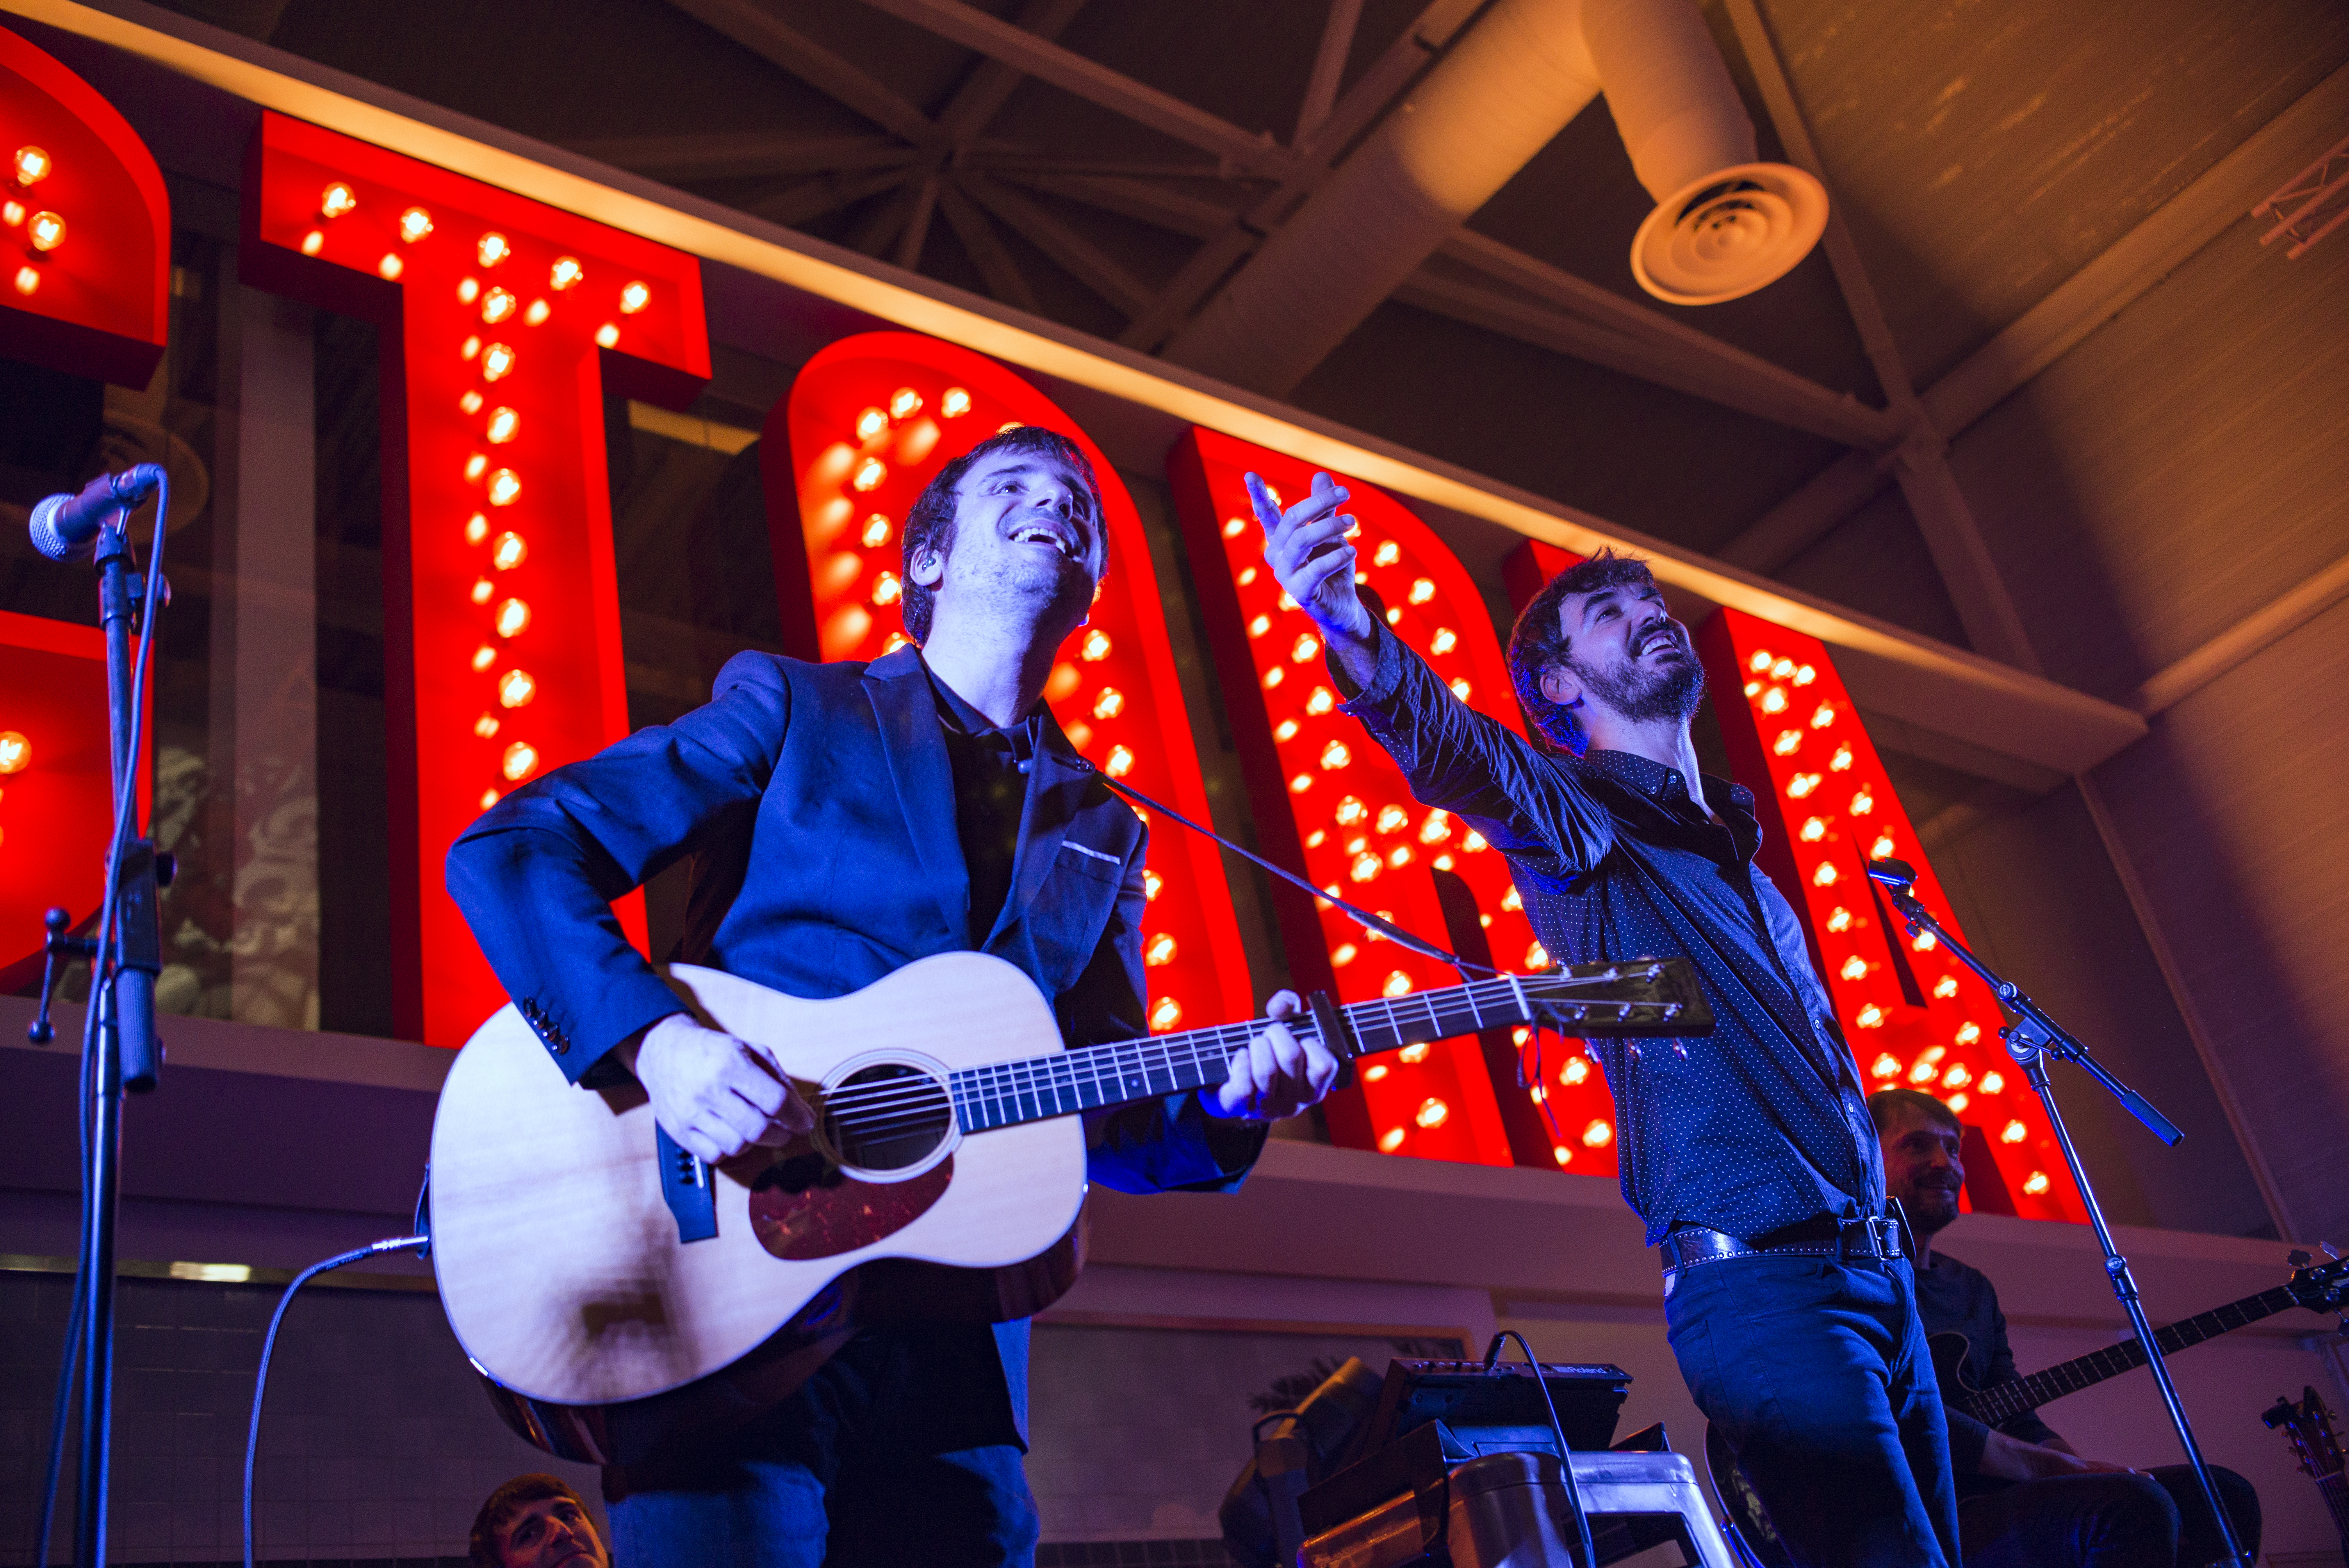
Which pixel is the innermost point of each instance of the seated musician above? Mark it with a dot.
(845, 820)
(2025, 1495)
(537, 1522)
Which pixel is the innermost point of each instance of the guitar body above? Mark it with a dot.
(604, 1336)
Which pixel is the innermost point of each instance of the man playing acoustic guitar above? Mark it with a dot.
(2028, 1499)
(845, 820)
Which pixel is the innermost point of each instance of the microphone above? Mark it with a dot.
(65, 526)
(1895, 874)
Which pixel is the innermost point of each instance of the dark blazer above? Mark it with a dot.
(818, 803)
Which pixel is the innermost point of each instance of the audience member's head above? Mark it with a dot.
(1923, 1163)
(537, 1522)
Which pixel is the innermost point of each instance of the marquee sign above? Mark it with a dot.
(506, 323)
(85, 227)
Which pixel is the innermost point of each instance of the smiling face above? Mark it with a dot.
(1626, 652)
(552, 1532)
(1921, 1167)
(1027, 539)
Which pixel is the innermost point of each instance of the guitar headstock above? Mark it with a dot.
(1628, 996)
(2308, 1426)
(2319, 1286)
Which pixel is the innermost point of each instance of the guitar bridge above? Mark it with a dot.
(687, 1189)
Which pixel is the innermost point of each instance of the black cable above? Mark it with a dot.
(269, 1344)
(1377, 924)
(1565, 1453)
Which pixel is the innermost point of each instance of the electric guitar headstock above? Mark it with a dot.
(2308, 1427)
(2320, 1286)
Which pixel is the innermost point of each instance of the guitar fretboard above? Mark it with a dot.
(2007, 1400)
(1003, 1093)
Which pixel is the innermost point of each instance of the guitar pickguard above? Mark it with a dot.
(804, 1207)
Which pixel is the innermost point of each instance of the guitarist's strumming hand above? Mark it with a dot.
(715, 1094)
(1275, 1074)
(2011, 1459)
(1306, 548)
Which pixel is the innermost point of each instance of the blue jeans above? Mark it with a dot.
(2108, 1521)
(871, 1464)
(1816, 1373)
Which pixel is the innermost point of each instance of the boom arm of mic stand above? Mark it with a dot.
(2032, 1032)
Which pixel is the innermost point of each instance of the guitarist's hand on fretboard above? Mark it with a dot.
(1275, 1074)
(715, 1094)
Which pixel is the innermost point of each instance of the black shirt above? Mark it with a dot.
(991, 764)
(1761, 1125)
(1953, 1298)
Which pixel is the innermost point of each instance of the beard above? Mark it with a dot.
(1931, 1209)
(1670, 694)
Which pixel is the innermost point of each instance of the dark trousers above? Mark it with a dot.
(2153, 1520)
(1816, 1373)
(878, 1461)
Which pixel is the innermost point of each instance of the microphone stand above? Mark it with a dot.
(119, 1051)
(2030, 1039)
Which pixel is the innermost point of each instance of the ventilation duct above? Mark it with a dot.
(1724, 225)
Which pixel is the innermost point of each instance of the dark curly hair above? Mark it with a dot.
(1538, 643)
(930, 525)
(1885, 1102)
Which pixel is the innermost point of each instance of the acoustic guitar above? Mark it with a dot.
(2319, 1287)
(616, 1295)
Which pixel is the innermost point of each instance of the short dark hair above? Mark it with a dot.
(1885, 1102)
(506, 1503)
(930, 525)
(1538, 642)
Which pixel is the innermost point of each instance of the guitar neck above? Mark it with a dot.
(2007, 1400)
(1091, 1077)
(2336, 1488)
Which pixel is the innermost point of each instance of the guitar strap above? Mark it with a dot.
(1378, 922)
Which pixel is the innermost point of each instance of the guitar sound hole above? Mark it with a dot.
(886, 1118)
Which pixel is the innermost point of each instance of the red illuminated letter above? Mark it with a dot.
(870, 419)
(1916, 1018)
(1327, 798)
(501, 634)
(83, 287)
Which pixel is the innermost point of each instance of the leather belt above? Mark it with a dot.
(1877, 1236)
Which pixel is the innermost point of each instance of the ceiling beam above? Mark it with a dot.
(759, 30)
(2162, 242)
(1074, 72)
(917, 226)
(982, 97)
(741, 155)
(1130, 198)
(987, 250)
(814, 199)
(1329, 67)
(1397, 67)
(1078, 256)
(1780, 399)
(1961, 555)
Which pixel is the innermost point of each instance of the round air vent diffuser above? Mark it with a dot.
(1727, 234)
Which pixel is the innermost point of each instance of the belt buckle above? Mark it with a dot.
(1882, 1237)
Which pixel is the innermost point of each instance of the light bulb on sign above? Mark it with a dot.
(1855, 969)
(1774, 700)
(904, 403)
(1537, 956)
(509, 552)
(876, 534)
(1150, 886)
(634, 297)
(477, 528)
(1160, 950)
(493, 249)
(475, 467)
(869, 474)
(504, 488)
(1814, 831)
(1417, 1053)
(2013, 1133)
(1823, 716)
(1840, 760)
(519, 758)
(607, 335)
(1095, 647)
(515, 688)
(1390, 1139)
(414, 224)
(504, 425)
(1109, 704)
(1598, 1135)
(1759, 662)
(484, 591)
(486, 726)
(1881, 847)
(489, 798)
(1335, 755)
(537, 313)
(497, 361)
(496, 305)
(871, 423)
(45, 232)
(1432, 1112)
(1825, 876)
(16, 751)
(1165, 1013)
(513, 618)
(471, 403)
(1120, 763)
(1365, 867)
(1840, 919)
(565, 273)
(1992, 1083)
(390, 267)
(1945, 987)
(1805, 675)
(483, 658)
(333, 203)
(1443, 642)
(1398, 984)
(1387, 554)
(27, 279)
(1884, 1065)
(31, 165)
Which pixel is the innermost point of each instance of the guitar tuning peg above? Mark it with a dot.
(2329, 1251)
(2299, 1258)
